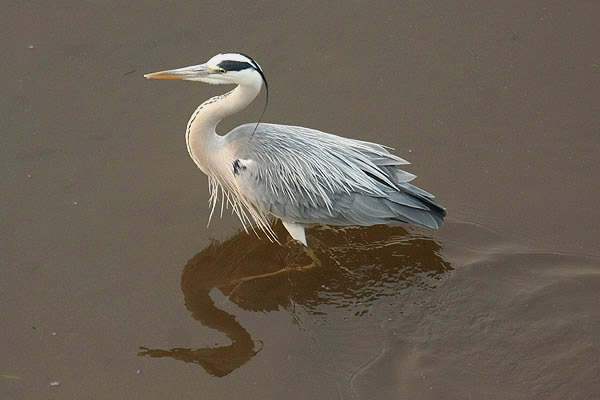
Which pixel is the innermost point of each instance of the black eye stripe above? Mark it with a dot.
(254, 63)
(228, 65)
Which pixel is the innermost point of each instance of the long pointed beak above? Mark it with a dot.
(187, 73)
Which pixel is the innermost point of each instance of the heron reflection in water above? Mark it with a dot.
(359, 267)
(299, 175)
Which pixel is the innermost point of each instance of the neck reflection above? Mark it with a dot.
(358, 267)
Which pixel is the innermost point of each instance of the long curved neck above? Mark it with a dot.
(201, 136)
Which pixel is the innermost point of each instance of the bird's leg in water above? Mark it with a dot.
(292, 245)
(308, 251)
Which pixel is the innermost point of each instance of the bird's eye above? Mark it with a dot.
(221, 70)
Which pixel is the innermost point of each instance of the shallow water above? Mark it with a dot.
(113, 287)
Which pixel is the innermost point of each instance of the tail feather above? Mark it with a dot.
(435, 209)
(427, 198)
(402, 205)
(428, 218)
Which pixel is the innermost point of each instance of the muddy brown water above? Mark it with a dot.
(113, 287)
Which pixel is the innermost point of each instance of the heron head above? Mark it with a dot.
(222, 69)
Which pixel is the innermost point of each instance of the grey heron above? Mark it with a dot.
(300, 175)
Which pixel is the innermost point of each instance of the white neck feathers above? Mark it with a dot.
(201, 137)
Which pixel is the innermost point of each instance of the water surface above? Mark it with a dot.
(113, 287)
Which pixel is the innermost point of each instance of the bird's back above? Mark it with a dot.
(308, 176)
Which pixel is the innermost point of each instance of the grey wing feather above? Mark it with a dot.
(307, 176)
